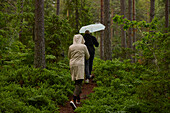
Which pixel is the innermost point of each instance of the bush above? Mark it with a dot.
(26, 89)
(126, 88)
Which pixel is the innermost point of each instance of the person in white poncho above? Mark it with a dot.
(77, 54)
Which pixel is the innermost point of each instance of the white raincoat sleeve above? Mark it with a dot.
(69, 54)
(87, 55)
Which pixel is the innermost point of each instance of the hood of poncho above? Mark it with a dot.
(78, 39)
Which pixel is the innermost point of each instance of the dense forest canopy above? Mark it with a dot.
(35, 36)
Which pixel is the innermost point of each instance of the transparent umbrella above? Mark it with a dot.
(92, 28)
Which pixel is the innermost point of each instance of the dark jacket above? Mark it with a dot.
(90, 41)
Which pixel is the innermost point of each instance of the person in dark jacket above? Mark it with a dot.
(90, 42)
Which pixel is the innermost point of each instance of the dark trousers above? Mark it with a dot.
(88, 66)
(87, 69)
(91, 63)
(78, 85)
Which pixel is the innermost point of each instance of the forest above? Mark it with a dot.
(131, 64)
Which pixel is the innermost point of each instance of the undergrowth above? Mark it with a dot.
(127, 88)
(24, 89)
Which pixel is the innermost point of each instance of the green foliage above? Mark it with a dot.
(152, 46)
(85, 15)
(59, 35)
(20, 25)
(22, 87)
(16, 55)
(26, 89)
(122, 86)
(127, 23)
(127, 88)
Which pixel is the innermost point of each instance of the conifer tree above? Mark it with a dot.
(39, 49)
(107, 31)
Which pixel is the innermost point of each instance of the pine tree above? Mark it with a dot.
(166, 15)
(21, 21)
(107, 32)
(58, 7)
(130, 29)
(123, 34)
(102, 33)
(152, 9)
(77, 16)
(39, 49)
(134, 30)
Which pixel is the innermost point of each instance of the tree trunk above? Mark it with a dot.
(39, 55)
(102, 33)
(166, 16)
(123, 34)
(58, 7)
(21, 22)
(77, 16)
(152, 9)
(107, 32)
(148, 12)
(130, 29)
(166, 28)
(134, 29)
(111, 21)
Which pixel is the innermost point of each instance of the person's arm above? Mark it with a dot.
(87, 55)
(69, 54)
(95, 41)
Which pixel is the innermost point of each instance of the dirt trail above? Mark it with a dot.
(86, 90)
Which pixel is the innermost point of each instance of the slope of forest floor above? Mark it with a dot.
(122, 86)
(86, 90)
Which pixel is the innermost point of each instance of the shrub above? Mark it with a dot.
(126, 88)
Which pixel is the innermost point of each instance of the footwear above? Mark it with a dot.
(78, 102)
(91, 76)
(87, 81)
(73, 105)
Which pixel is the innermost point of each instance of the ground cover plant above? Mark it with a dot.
(134, 79)
(25, 89)
(127, 88)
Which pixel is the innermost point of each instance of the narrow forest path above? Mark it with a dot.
(86, 90)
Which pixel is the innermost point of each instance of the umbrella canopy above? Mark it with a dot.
(92, 28)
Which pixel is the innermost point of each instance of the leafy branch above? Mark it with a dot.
(149, 39)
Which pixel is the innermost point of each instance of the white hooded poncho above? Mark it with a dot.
(77, 54)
